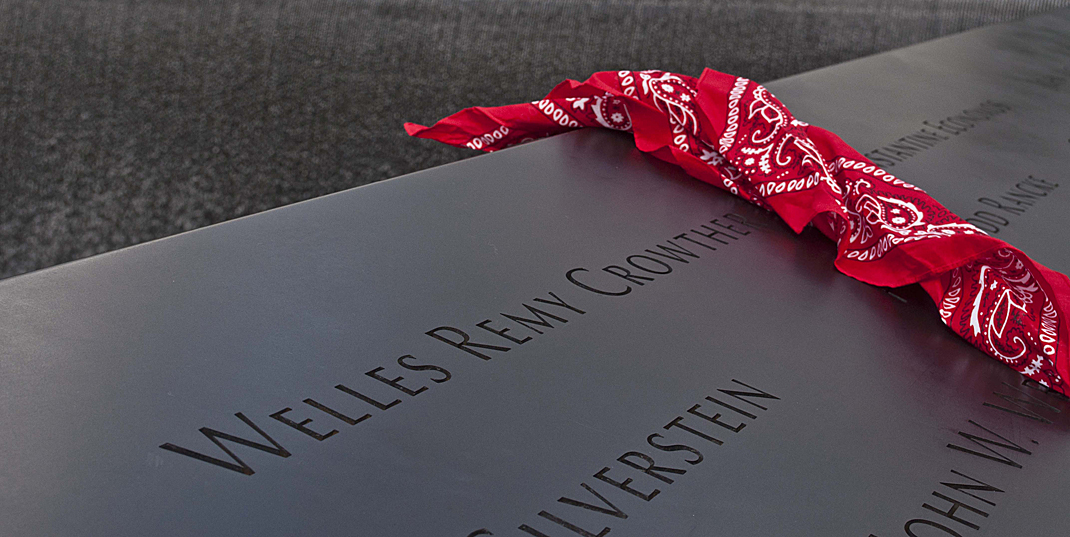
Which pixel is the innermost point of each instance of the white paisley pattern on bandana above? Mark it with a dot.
(732, 133)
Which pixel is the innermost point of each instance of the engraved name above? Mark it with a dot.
(384, 388)
(1001, 209)
(935, 133)
(963, 502)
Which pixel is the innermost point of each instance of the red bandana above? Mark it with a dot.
(732, 133)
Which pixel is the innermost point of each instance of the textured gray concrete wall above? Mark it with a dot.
(125, 121)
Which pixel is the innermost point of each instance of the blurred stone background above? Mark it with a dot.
(122, 121)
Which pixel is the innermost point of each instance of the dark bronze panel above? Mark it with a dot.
(645, 355)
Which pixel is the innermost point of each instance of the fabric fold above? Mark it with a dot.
(731, 132)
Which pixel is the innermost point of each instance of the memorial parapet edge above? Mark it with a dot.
(565, 338)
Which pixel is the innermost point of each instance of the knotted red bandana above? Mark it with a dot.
(731, 132)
